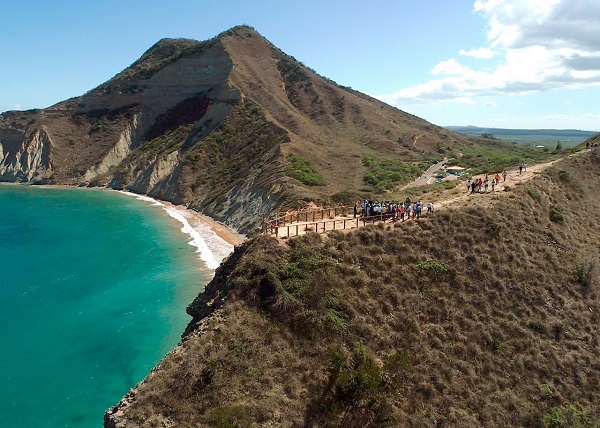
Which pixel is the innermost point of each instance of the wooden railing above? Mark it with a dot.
(305, 216)
(288, 228)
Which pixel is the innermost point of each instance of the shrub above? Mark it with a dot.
(535, 195)
(386, 174)
(563, 418)
(586, 271)
(556, 214)
(358, 387)
(433, 266)
(303, 171)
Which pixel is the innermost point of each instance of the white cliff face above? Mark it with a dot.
(155, 173)
(121, 149)
(29, 158)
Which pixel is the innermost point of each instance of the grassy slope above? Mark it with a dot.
(474, 317)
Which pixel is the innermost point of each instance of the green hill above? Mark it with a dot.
(485, 315)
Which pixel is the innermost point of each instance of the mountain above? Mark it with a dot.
(231, 126)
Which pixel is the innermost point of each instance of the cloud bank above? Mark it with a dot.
(536, 45)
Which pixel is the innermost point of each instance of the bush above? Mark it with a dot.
(563, 418)
(433, 266)
(586, 271)
(358, 387)
(303, 171)
(556, 214)
(535, 195)
(386, 174)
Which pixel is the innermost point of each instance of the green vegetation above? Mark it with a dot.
(241, 145)
(535, 195)
(569, 417)
(433, 266)
(587, 271)
(385, 174)
(303, 171)
(358, 387)
(496, 156)
(556, 214)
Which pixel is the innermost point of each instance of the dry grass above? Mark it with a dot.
(493, 312)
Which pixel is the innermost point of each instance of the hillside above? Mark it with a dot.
(232, 127)
(485, 315)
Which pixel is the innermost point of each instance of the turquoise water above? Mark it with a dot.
(93, 290)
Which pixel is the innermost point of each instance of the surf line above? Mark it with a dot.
(206, 254)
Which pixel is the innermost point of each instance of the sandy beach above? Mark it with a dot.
(214, 241)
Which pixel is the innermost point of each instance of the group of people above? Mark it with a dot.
(522, 167)
(482, 184)
(393, 210)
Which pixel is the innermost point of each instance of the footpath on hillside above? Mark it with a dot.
(343, 218)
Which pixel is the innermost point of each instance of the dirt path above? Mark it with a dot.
(459, 196)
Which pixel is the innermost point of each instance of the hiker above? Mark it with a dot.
(497, 178)
(408, 211)
(418, 209)
(355, 209)
(521, 168)
(429, 207)
(493, 184)
(468, 185)
(401, 212)
(485, 184)
(473, 186)
(504, 174)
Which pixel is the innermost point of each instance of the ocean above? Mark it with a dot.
(93, 290)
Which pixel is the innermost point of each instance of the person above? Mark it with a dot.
(493, 184)
(504, 174)
(468, 185)
(521, 168)
(430, 207)
(418, 209)
(355, 209)
(497, 178)
(486, 184)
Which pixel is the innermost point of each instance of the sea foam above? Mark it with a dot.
(211, 248)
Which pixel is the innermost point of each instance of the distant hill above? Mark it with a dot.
(233, 127)
(475, 130)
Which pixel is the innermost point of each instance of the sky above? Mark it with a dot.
(490, 63)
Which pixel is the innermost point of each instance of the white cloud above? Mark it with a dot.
(543, 44)
(480, 53)
(490, 104)
(17, 107)
(450, 67)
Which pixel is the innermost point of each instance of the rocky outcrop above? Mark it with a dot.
(25, 158)
(122, 148)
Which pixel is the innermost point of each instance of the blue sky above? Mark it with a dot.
(497, 63)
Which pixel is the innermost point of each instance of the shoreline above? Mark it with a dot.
(214, 240)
